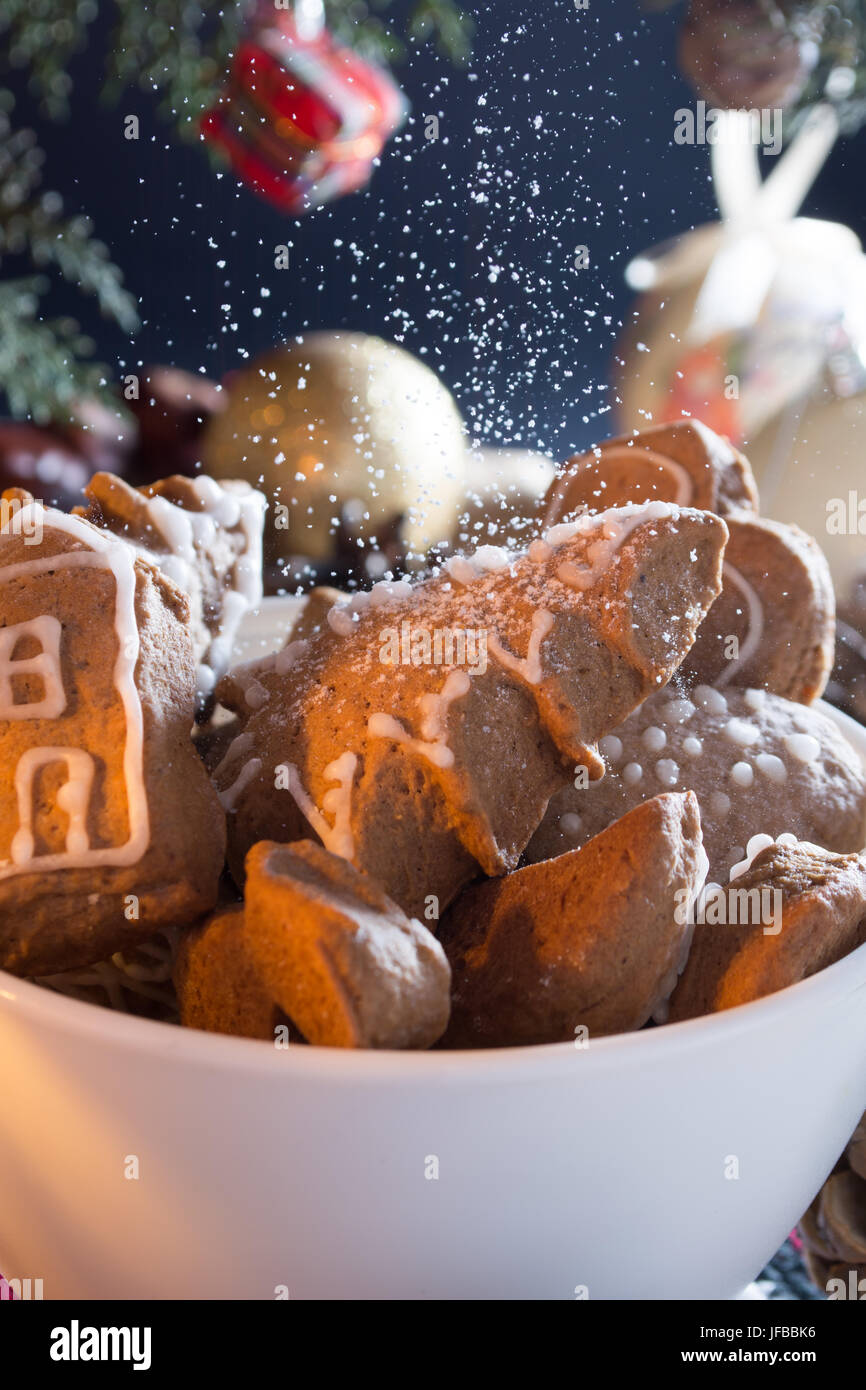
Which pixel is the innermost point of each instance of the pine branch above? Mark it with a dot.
(42, 369)
(42, 362)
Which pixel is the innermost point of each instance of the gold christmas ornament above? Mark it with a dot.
(342, 432)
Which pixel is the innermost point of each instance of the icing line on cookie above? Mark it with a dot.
(633, 453)
(527, 667)
(386, 726)
(337, 837)
(229, 797)
(754, 618)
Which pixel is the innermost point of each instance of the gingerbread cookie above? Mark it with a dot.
(773, 624)
(421, 732)
(206, 537)
(218, 986)
(341, 960)
(109, 826)
(589, 939)
(790, 909)
(756, 761)
(684, 462)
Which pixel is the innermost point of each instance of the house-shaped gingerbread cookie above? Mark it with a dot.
(109, 828)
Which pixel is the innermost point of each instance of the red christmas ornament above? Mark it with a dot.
(302, 118)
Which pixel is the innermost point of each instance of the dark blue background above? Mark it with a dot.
(529, 355)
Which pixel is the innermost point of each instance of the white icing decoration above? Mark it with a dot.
(667, 772)
(434, 708)
(285, 660)
(340, 621)
(229, 797)
(528, 667)
(539, 551)
(386, 726)
(755, 699)
(678, 711)
(73, 798)
(255, 695)
(755, 621)
(103, 551)
(742, 775)
(753, 849)
(741, 732)
(803, 747)
(613, 526)
(47, 631)
(432, 744)
(772, 767)
(241, 744)
(233, 505)
(693, 747)
(610, 748)
(336, 837)
(710, 699)
(491, 557)
(654, 739)
(570, 823)
(720, 803)
(632, 773)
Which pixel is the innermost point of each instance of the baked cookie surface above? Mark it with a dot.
(589, 940)
(684, 462)
(758, 764)
(421, 731)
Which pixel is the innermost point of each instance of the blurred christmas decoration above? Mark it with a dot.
(834, 1227)
(777, 53)
(354, 441)
(303, 118)
(744, 53)
(757, 324)
(181, 55)
(171, 410)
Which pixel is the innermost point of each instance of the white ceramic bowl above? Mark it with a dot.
(609, 1169)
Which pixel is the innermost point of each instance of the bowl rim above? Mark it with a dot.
(52, 1011)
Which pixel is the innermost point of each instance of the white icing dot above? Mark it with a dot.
(340, 622)
(654, 739)
(711, 700)
(772, 767)
(741, 732)
(804, 747)
(693, 747)
(667, 772)
(678, 711)
(742, 775)
(754, 699)
(490, 557)
(753, 849)
(539, 551)
(610, 748)
(720, 804)
(571, 823)
(632, 773)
